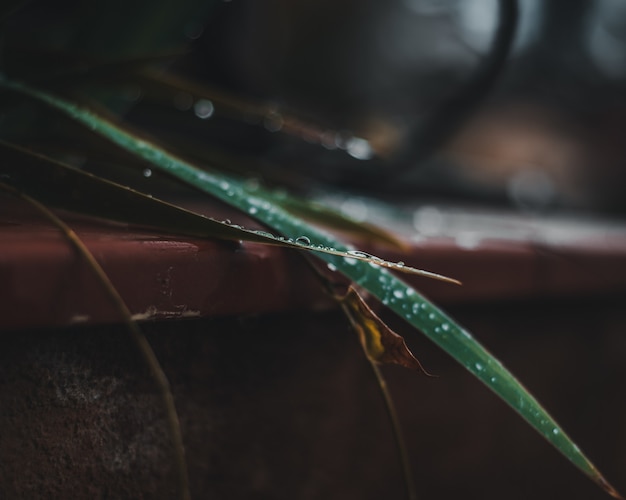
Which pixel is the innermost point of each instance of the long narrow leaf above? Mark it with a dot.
(66, 187)
(390, 290)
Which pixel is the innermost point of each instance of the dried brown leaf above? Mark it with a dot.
(381, 344)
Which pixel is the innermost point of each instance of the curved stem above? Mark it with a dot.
(397, 431)
(137, 335)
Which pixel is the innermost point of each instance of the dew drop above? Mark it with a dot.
(359, 148)
(147, 172)
(555, 431)
(431, 316)
(357, 253)
(227, 221)
(398, 294)
(445, 327)
(303, 240)
(253, 210)
(478, 366)
(332, 267)
(350, 261)
(203, 108)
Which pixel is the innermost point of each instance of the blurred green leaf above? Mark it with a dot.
(389, 289)
(317, 213)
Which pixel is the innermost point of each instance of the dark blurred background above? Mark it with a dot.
(545, 131)
(517, 103)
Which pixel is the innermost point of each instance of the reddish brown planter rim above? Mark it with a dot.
(45, 283)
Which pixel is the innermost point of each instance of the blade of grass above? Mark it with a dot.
(390, 290)
(66, 187)
(137, 336)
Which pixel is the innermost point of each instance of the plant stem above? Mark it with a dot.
(397, 431)
(137, 335)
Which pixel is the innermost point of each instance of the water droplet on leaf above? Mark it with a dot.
(203, 108)
(359, 148)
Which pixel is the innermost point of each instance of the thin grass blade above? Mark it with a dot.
(66, 187)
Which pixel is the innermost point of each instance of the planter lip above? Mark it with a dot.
(46, 284)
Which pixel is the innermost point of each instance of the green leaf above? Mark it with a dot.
(389, 289)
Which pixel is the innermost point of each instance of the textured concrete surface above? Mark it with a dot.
(283, 407)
